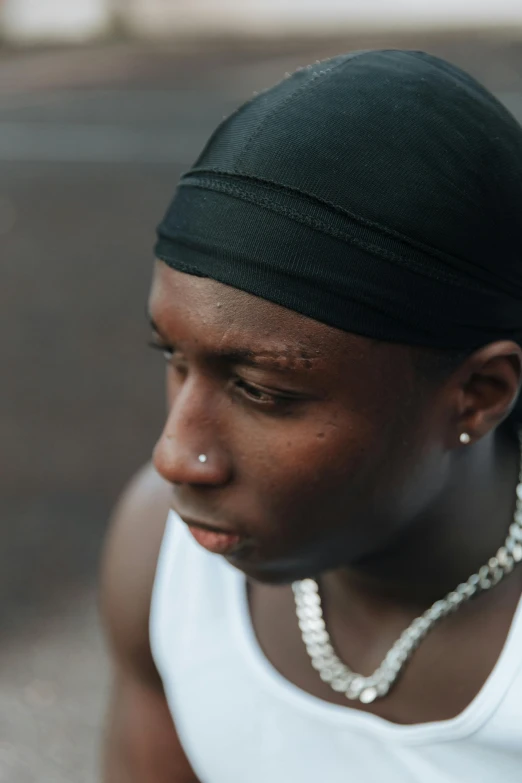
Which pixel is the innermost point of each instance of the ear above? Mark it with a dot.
(488, 385)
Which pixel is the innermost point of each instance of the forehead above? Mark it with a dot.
(186, 307)
(214, 321)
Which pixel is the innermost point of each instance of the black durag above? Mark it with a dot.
(379, 192)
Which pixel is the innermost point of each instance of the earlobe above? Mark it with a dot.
(491, 380)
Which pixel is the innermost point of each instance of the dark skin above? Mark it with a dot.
(142, 745)
(331, 454)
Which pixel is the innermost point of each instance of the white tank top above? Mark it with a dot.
(240, 721)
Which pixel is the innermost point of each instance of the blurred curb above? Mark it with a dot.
(111, 59)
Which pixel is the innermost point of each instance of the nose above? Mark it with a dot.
(190, 449)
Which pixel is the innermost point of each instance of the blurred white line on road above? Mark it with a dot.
(46, 142)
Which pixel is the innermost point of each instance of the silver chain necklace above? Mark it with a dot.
(366, 689)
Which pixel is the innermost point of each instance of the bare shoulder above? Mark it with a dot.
(128, 567)
(142, 744)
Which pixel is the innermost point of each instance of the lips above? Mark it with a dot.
(218, 541)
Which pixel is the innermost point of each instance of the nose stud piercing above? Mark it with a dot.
(464, 438)
(202, 458)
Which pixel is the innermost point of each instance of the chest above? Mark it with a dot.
(441, 679)
(238, 719)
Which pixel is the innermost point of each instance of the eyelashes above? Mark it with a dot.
(255, 394)
(167, 350)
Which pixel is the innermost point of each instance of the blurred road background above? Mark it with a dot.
(92, 141)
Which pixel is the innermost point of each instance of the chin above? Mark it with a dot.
(274, 572)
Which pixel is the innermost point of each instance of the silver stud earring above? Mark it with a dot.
(464, 438)
(202, 458)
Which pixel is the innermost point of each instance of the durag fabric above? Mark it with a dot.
(379, 192)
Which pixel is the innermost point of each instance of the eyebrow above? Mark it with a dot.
(284, 359)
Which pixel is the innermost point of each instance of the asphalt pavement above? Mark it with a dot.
(92, 142)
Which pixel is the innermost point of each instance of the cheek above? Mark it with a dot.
(307, 464)
(322, 479)
(305, 500)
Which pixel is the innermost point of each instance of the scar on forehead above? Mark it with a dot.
(276, 351)
(284, 358)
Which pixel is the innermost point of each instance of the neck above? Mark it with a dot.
(451, 540)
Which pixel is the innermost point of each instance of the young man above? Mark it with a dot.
(338, 297)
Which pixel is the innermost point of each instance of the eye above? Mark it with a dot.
(167, 350)
(256, 394)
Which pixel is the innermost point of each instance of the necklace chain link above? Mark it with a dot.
(366, 689)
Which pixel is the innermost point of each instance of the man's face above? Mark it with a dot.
(316, 439)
